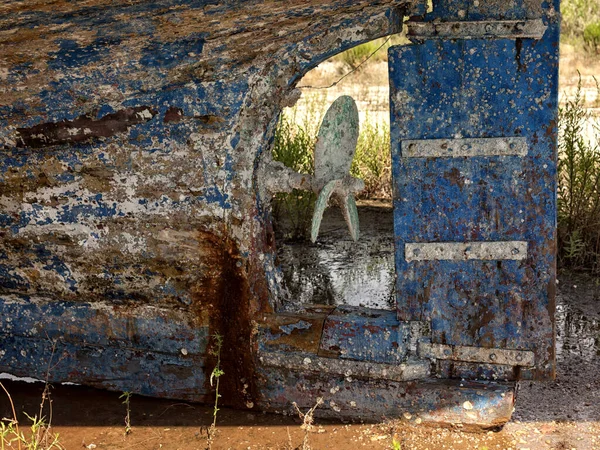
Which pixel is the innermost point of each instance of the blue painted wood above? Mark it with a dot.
(472, 89)
(145, 350)
(365, 335)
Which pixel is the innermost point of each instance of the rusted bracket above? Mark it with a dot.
(509, 357)
(500, 29)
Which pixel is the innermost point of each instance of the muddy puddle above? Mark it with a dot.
(578, 322)
(338, 271)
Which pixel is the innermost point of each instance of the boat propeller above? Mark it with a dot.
(334, 151)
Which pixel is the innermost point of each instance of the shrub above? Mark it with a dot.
(591, 37)
(578, 188)
(576, 16)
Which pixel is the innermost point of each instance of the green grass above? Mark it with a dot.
(577, 16)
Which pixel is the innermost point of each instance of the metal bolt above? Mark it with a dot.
(515, 251)
(493, 357)
(488, 27)
(465, 147)
(519, 358)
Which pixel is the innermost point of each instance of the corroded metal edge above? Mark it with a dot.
(511, 357)
(454, 148)
(408, 371)
(463, 251)
(497, 29)
(479, 405)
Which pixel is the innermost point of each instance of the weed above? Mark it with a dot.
(396, 445)
(307, 421)
(214, 381)
(40, 436)
(126, 396)
(578, 187)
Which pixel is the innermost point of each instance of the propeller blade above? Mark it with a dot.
(351, 215)
(336, 140)
(320, 206)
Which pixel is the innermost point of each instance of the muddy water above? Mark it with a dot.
(338, 271)
(577, 329)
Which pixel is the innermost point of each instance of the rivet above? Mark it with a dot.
(519, 358)
(493, 357)
(488, 27)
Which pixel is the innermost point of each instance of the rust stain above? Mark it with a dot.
(224, 292)
(305, 339)
(82, 129)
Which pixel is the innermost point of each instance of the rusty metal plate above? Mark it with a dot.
(492, 29)
(365, 335)
(454, 148)
(477, 354)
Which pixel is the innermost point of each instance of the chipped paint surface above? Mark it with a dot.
(475, 234)
(135, 218)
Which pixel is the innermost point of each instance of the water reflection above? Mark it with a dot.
(338, 271)
(578, 323)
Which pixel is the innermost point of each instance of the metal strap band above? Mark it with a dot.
(509, 357)
(454, 148)
(500, 29)
(463, 251)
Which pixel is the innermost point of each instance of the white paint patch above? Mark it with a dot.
(8, 376)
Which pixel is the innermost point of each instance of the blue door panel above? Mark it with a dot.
(471, 89)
